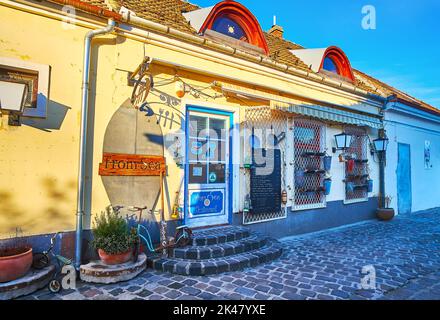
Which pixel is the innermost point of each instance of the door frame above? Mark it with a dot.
(409, 175)
(190, 107)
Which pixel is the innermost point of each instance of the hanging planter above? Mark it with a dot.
(349, 186)
(350, 165)
(327, 186)
(299, 179)
(370, 185)
(327, 163)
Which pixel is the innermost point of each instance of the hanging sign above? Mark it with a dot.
(115, 164)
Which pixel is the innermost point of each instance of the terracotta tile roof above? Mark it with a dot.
(166, 12)
(387, 90)
(169, 13)
(279, 51)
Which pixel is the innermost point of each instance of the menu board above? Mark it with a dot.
(265, 181)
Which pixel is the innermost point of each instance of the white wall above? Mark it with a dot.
(413, 130)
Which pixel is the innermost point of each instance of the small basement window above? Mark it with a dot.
(36, 78)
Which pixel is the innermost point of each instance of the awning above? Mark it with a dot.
(330, 114)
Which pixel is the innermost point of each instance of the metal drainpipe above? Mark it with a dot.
(83, 136)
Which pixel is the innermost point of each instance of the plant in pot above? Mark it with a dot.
(387, 213)
(113, 238)
(15, 258)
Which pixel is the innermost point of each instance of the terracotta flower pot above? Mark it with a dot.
(113, 259)
(385, 214)
(14, 263)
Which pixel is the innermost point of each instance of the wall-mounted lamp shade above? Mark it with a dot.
(12, 96)
(343, 141)
(381, 144)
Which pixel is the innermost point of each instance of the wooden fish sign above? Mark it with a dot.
(114, 164)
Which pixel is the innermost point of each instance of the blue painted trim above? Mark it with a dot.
(230, 187)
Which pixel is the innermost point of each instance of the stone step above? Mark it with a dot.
(271, 251)
(250, 243)
(217, 235)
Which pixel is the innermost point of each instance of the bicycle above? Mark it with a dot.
(182, 237)
(42, 259)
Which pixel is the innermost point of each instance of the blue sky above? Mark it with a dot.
(403, 51)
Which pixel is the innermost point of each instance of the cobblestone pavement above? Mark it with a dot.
(327, 265)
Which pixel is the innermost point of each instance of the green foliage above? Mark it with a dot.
(111, 233)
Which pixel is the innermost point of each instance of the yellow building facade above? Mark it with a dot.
(39, 158)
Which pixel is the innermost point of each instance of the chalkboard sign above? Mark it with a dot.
(266, 181)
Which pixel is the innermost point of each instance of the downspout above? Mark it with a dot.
(83, 136)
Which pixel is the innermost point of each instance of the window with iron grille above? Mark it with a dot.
(309, 174)
(356, 167)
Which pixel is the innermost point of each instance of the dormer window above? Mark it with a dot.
(230, 28)
(231, 23)
(336, 62)
(330, 61)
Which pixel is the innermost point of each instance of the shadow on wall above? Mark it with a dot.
(56, 113)
(53, 216)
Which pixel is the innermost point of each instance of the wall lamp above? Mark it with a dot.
(13, 97)
(343, 142)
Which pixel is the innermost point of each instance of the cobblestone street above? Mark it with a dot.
(326, 265)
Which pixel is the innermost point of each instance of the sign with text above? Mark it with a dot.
(265, 181)
(115, 164)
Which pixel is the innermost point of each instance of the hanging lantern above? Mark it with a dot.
(180, 89)
(284, 197)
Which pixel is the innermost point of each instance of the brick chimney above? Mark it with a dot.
(276, 30)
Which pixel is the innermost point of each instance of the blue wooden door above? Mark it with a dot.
(404, 197)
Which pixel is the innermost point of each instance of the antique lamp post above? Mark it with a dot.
(380, 146)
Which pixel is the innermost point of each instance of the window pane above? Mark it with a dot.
(198, 149)
(217, 173)
(330, 65)
(197, 173)
(198, 126)
(217, 151)
(230, 28)
(217, 129)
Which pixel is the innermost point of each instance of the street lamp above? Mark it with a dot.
(381, 144)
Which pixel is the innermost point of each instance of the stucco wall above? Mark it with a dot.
(414, 131)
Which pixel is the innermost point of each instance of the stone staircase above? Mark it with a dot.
(217, 250)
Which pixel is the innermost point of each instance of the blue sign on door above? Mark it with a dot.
(206, 202)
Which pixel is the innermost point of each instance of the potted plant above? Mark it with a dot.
(113, 239)
(15, 259)
(387, 213)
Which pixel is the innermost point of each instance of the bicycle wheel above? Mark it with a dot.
(40, 261)
(54, 286)
(141, 90)
(183, 237)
